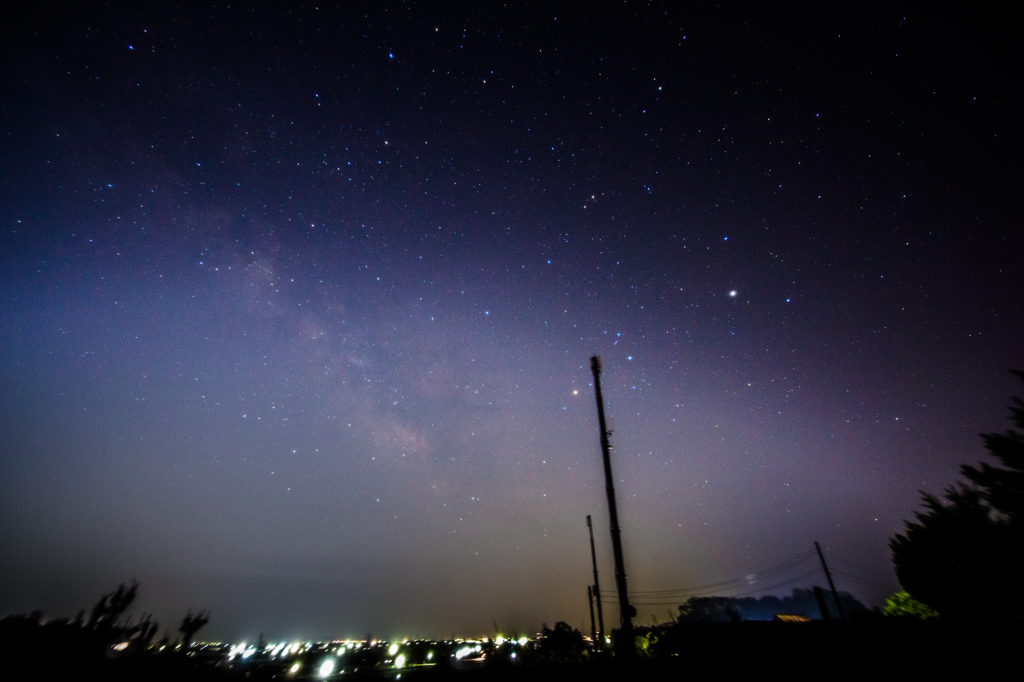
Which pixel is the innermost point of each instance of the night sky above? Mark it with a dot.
(298, 304)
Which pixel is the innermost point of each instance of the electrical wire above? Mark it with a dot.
(769, 572)
(839, 558)
(756, 590)
(644, 598)
(728, 587)
(772, 587)
(864, 580)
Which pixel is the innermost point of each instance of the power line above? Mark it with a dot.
(760, 588)
(843, 560)
(766, 573)
(675, 596)
(772, 587)
(864, 580)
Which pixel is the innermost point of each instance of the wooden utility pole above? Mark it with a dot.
(819, 596)
(624, 644)
(832, 585)
(597, 586)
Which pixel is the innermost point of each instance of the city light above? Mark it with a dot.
(326, 668)
(400, 661)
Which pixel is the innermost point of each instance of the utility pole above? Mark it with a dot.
(835, 595)
(593, 625)
(597, 586)
(625, 645)
(819, 596)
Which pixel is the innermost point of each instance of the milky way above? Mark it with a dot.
(298, 304)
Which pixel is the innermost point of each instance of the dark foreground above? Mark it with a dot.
(890, 648)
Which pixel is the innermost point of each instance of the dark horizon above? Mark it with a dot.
(298, 303)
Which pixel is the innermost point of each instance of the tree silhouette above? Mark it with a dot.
(145, 631)
(190, 625)
(563, 643)
(1002, 489)
(109, 608)
(735, 609)
(972, 538)
(902, 605)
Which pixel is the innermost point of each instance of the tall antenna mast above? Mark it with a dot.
(593, 625)
(599, 639)
(624, 643)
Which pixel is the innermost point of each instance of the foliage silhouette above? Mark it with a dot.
(1002, 489)
(144, 632)
(563, 643)
(735, 609)
(111, 606)
(191, 624)
(106, 645)
(902, 605)
(972, 537)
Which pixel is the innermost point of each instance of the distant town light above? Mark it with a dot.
(295, 668)
(326, 668)
(400, 661)
(392, 650)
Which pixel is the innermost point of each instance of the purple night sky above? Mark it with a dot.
(298, 304)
